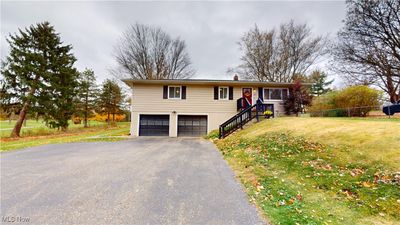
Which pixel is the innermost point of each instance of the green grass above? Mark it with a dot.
(35, 128)
(100, 132)
(319, 170)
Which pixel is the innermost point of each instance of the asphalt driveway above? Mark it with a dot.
(139, 181)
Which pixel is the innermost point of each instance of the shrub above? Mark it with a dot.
(268, 113)
(103, 117)
(325, 106)
(298, 98)
(358, 96)
(351, 101)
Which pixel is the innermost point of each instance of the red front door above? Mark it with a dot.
(247, 95)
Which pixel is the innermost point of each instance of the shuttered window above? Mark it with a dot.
(174, 92)
(223, 93)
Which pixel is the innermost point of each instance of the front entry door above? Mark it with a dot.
(247, 95)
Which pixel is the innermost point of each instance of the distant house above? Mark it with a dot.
(194, 107)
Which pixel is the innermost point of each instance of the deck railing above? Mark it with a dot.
(240, 119)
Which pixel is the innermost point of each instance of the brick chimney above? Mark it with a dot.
(236, 77)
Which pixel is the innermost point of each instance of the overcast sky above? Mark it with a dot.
(211, 30)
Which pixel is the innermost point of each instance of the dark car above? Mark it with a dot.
(391, 109)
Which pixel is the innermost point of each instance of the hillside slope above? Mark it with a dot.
(320, 170)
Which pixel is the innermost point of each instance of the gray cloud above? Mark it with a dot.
(211, 29)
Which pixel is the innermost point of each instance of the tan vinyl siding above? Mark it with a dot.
(148, 99)
(198, 99)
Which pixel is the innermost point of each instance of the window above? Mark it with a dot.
(275, 93)
(174, 92)
(223, 93)
(266, 94)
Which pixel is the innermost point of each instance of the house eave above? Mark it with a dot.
(131, 82)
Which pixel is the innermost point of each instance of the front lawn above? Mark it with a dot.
(38, 127)
(320, 170)
(42, 136)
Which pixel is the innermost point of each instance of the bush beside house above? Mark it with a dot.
(351, 101)
(299, 97)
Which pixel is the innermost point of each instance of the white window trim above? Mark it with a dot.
(227, 93)
(180, 92)
(274, 100)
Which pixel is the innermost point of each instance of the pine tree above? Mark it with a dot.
(39, 73)
(320, 86)
(111, 99)
(87, 95)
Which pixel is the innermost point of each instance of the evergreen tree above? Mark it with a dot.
(39, 73)
(320, 86)
(87, 95)
(111, 99)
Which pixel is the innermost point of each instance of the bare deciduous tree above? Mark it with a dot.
(368, 48)
(277, 56)
(149, 53)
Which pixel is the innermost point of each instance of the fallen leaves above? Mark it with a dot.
(385, 177)
(299, 197)
(367, 184)
(356, 172)
(295, 164)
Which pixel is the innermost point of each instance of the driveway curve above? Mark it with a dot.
(138, 181)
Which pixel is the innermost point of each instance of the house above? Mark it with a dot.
(195, 107)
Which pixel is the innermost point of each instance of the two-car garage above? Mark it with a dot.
(186, 125)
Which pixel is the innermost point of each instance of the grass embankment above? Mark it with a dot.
(39, 135)
(320, 170)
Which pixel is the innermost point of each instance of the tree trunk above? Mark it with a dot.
(391, 89)
(22, 114)
(85, 120)
(394, 97)
(86, 111)
(113, 117)
(108, 118)
(10, 117)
